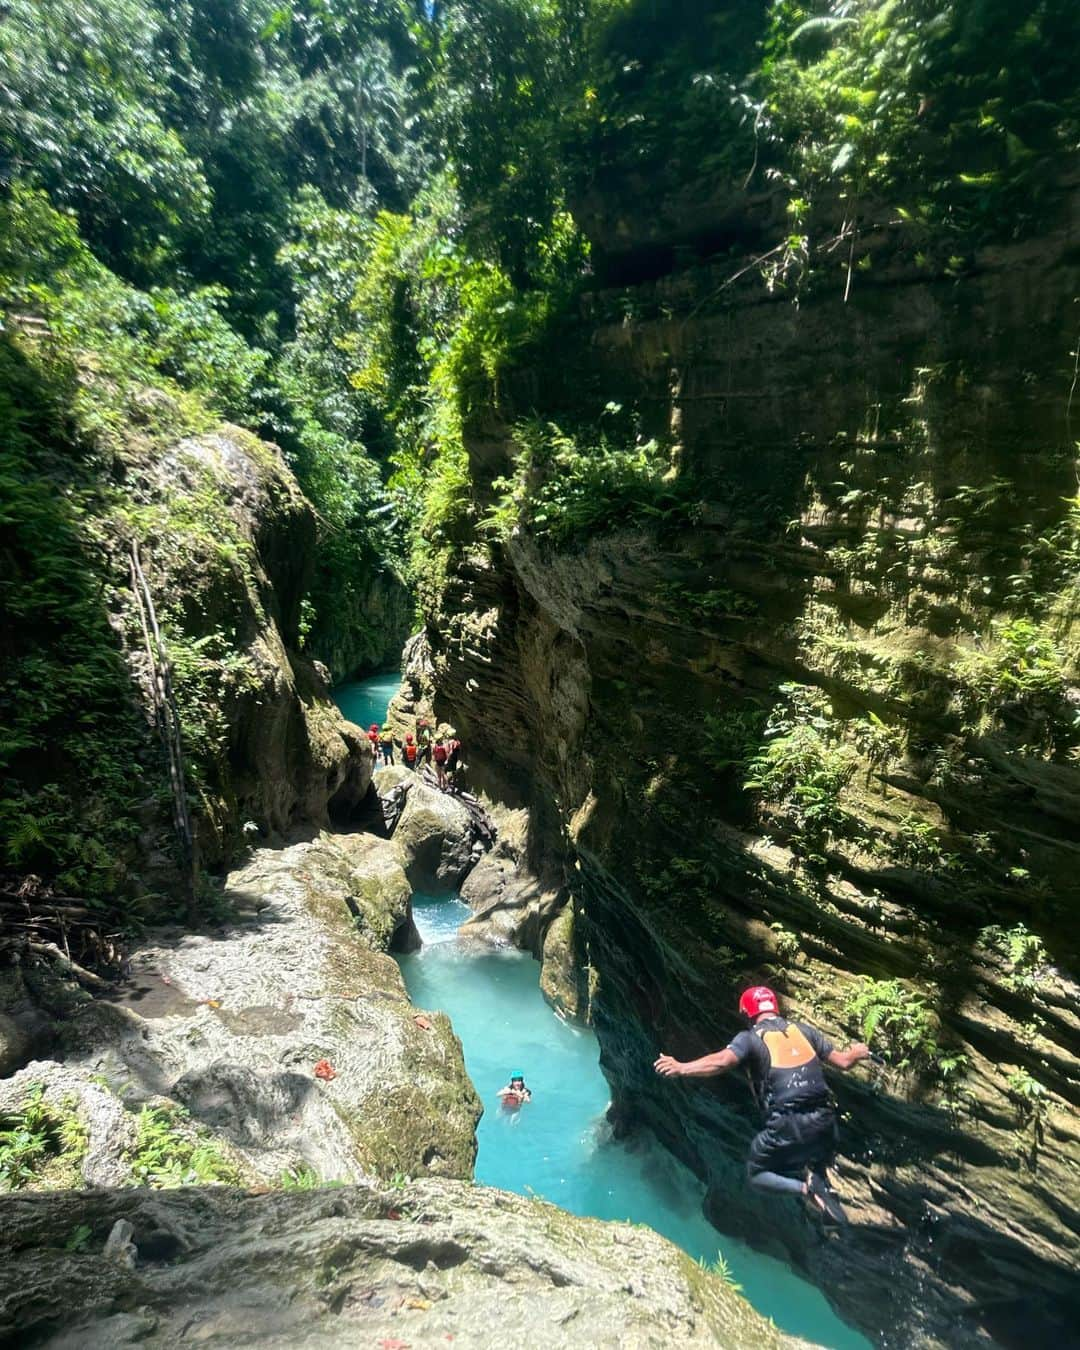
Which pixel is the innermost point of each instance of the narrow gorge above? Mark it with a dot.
(676, 405)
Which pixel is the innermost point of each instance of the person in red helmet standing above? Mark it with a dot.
(793, 1151)
(373, 740)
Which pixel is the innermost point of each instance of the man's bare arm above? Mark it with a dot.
(847, 1059)
(705, 1067)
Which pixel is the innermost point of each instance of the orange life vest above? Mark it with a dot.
(795, 1080)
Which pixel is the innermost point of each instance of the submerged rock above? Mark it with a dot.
(423, 1265)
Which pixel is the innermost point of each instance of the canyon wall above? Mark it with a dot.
(816, 725)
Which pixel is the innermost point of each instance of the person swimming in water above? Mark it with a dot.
(515, 1092)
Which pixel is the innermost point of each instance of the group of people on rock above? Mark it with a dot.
(441, 749)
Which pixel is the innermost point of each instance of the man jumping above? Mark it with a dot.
(793, 1151)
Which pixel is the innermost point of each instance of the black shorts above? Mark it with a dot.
(791, 1143)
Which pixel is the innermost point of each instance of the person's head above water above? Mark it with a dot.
(517, 1079)
(757, 1000)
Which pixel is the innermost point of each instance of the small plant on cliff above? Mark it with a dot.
(39, 1141)
(561, 488)
(1021, 662)
(1023, 950)
(803, 766)
(171, 1152)
(720, 1268)
(903, 1023)
(729, 738)
(787, 944)
(952, 1068)
(1032, 1103)
(301, 1177)
(917, 842)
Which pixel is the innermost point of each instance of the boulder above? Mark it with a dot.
(430, 1263)
(22, 1035)
(381, 898)
(434, 840)
(511, 905)
(564, 979)
(99, 1140)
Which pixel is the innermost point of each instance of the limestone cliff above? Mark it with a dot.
(815, 724)
(228, 545)
(155, 577)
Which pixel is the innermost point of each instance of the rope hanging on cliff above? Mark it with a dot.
(167, 717)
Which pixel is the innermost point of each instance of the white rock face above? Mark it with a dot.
(232, 1024)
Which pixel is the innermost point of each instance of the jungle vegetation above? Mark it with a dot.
(342, 225)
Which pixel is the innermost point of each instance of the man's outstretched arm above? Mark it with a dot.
(847, 1059)
(705, 1067)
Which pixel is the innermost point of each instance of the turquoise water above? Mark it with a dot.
(558, 1146)
(365, 701)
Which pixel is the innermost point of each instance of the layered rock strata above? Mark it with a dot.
(879, 554)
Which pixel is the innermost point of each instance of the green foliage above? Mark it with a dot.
(84, 112)
(41, 1144)
(301, 1177)
(917, 842)
(78, 1238)
(722, 1270)
(1023, 950)
(957, 113)
(1032, 1104)
(171, 1152)
(72, 747)
(905, 1026)
(564, 491)
(703, 607)
(787, 944)
(803, 765)
(729, 739)
(1021, 660)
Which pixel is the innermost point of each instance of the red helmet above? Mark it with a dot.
(408, 737)
(374, 726)
(758, 1000)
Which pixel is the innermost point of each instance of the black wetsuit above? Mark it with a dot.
(784, 1060)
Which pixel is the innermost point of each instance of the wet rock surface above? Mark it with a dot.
(422, 1265)
(232, 1024)
(511, 905)
(566, 981)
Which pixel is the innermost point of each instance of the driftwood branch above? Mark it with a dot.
(68, 966)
